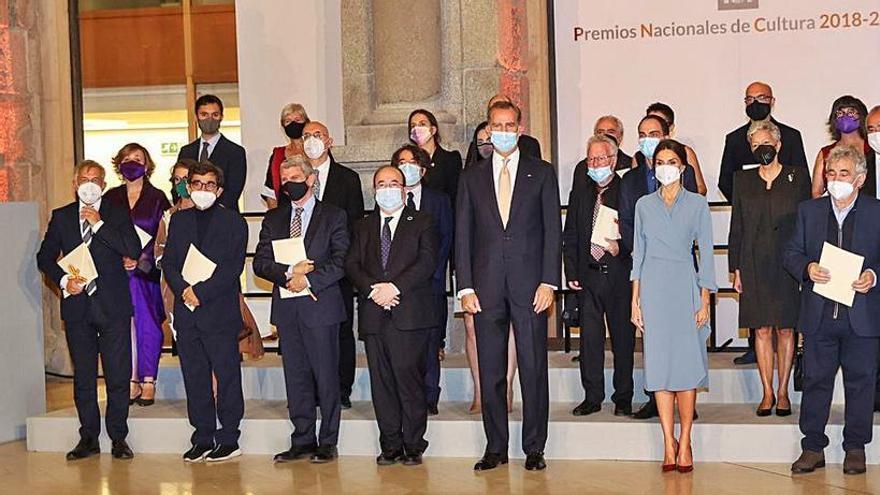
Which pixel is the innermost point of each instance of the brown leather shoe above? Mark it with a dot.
(808, 462)
(854, 462)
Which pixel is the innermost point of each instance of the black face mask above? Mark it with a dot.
(294, 130)
(294, 191)
(765, 154)
(757, 110)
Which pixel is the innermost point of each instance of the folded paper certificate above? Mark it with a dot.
(606, 227)
(844, 268)
(79, 263)
(144, 237)
(196, 268)
(290, 252)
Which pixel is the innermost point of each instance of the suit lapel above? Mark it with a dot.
(488, 180)
(332, 173)
(373, 243)
(314, 225)
(401, 234)
(524, 173)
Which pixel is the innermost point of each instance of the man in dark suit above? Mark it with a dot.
(414, 163)
(738, 154)
(836, 335)
(96, 315)
(308, 324)
(392, 262)
(207, 315)
(600, 273)
(507, 248)
(338, 186)
(213, 146)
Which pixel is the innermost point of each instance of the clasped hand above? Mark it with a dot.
(385, 294)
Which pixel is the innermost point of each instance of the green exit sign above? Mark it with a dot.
(170, 149)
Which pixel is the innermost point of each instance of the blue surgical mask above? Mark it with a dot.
(411, 172)
(504, 142)
(647, 145)
(599, 175)
(389, 198)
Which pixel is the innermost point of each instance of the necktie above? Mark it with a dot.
(87, 239)
(410, 200)
(385, 241)
(652, 180)
(203, 156)
(317, 186)
(504, 193)
(296, 226)
(596, 250)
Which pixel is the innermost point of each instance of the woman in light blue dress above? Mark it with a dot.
(670, 302)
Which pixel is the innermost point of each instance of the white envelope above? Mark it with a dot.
(79, 262)
(144, 237)
(290, 252)
(606, 227)
(196, 268)
(844, 268)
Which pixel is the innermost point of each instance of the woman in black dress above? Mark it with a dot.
(765, 203)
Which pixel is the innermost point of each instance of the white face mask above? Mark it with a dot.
(313, 147)
(667, 174)
(874, 141)
(89, 192)
(203, 199)
(840, 190)
(411, 172)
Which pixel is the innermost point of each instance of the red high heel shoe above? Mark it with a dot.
(666, 468)
(687, 469)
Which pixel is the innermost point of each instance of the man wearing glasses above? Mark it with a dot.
(599, 272)
(738, 155)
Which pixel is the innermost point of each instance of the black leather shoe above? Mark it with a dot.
(748, 358)
(121, 450)
(623, 409)
(648, 411)
(324, 454)
(345, 402)
(86, 447)
(223, 453)
(390, 458)
(197, 453)
(432, 410)
(412, 459)
(535, 462)
(295, 453)
(490, 461)
(585, 408)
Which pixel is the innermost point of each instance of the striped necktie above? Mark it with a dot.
(86, 230)
(296, 226)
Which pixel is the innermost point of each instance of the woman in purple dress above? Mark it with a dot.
(146, 204)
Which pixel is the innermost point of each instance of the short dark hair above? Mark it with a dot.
(504, 105)
(848, 101)
(419, 154)
(205, 168)
(184, 163)
(671, 145)
(431, 119)
(663, 109)
(664, 126)
(393, 167)
(207, 100)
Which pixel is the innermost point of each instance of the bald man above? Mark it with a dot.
(527, 145)
(339, 186)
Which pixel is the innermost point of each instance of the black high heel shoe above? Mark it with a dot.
(784, 412)
(147, 402)
(766, 412)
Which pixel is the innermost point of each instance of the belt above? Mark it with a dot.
(599, 267)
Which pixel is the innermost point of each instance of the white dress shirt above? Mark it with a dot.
(212, 143)
(416, 191)
(395, 219)
(323, 171)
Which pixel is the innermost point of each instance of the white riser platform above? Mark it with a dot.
(724, 433)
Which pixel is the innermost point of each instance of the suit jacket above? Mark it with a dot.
(326, 242)
(633, 186)
(738, 152)
(225, 243)
(114, 240)
(443, 176)
(437, 205)
(343, 190)
(494, 260)
(228, 157)
(805, 247)
(411, 266)
(581, 179)
(579, 230)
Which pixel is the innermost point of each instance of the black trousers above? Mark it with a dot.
(204, 352)
(347, 357)
(112, 340)
(397, 379)
(435, 343)
(606, 296)
(310, 356)
(836, 346)
(530, 331)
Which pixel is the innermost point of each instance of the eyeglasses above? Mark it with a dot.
(198, 185)
(850, 112)
(599, 159)
(760, 98)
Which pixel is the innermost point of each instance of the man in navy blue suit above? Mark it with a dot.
(308, 326)
(414, 162)
(836, 335)
(508, 244)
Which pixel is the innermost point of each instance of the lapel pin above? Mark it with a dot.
(408, 218)
(528, 175)
(791, 177)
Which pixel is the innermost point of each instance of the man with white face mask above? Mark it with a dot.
(207, 315)
(96, 315)
(600, 274)
(835, 335)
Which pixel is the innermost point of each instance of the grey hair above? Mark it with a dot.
(617, 122)
(300, 162)
(607, 141)
(293, 109)
(764, 125)
(851, 153)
